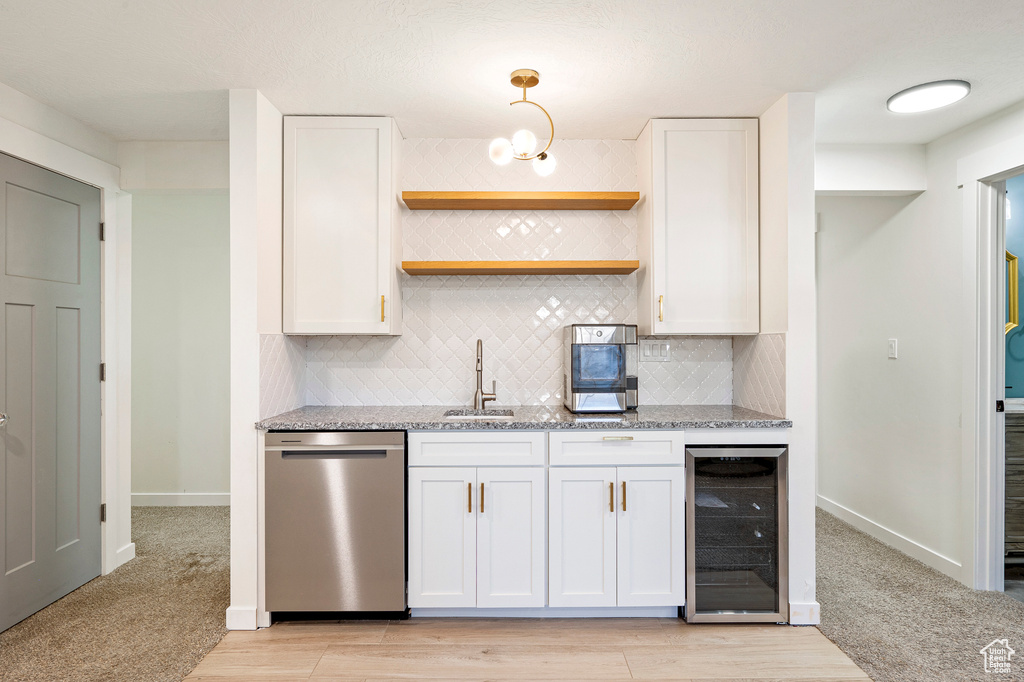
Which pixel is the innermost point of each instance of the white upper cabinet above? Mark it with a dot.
(342, 236)
(698, 227)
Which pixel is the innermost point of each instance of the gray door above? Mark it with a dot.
(49, 387)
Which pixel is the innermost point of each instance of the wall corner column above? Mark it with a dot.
(255, 171)
(789, 306)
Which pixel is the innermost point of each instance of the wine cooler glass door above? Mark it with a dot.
(736, 509)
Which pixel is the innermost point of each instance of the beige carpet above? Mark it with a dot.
(152, 619)
(902, 621)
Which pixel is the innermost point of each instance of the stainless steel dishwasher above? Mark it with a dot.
(335, 521)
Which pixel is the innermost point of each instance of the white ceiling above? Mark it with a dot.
(159, 69)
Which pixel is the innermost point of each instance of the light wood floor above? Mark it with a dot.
(533, 649)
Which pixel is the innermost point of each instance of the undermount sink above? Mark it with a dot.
(479, 415)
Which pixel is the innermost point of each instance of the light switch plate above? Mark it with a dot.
(655, 350)
(892, 348)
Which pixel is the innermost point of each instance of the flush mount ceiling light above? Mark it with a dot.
(524, 142)
(928, 96)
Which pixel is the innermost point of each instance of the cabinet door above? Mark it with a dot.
(702, 238)
(510, 537)
(651, 546)
(442, 537)
(339, 248)
(581, 536)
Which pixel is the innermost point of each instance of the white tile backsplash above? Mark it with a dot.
(699, 373)
(282, 373)
(519, 235)
(520, 318)
(759, 373)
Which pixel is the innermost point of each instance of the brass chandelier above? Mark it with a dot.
(524, 143)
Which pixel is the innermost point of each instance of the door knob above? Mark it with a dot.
(3, 418)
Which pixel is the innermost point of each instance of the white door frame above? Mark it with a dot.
(982, 480)
(115, 312)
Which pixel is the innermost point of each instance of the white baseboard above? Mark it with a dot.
(241, 618)
(807, 613)
(926, 556)
(181, 499)
(125, 554)
(549, 612)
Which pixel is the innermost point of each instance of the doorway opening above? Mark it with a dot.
(1011, 219)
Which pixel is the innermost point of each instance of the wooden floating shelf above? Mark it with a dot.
(511, 201)
(520, 267)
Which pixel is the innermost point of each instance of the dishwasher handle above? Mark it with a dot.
(317, 447)
(332, 454)
(334, 441)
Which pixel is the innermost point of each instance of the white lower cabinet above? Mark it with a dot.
(581, 507)
(442, 537)
(616, 536)
(476, 537)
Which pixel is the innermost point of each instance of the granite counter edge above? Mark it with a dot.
(309, 425)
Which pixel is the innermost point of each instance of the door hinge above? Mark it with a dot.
(103, 371)
(103, 232)
(103, 513)
(999, 406)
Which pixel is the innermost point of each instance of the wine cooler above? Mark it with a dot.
(736, 539)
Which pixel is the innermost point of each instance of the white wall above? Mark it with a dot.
(180, 309)
(870, 169)
(890, 447)
(21, 109)
(173, 165)
(773, 235)
(890, 438)
(180, 349)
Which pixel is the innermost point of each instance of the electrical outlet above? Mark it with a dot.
(655, 350)
(892, 348)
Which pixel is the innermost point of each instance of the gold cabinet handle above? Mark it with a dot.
(617, 438)
(623, 496)
(661, 309)
(481, 498)
(469, 495)
(611, 497)
(382, 307)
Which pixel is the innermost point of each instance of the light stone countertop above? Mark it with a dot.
(527, 418)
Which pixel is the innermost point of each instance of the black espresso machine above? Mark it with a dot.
(600, 364)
